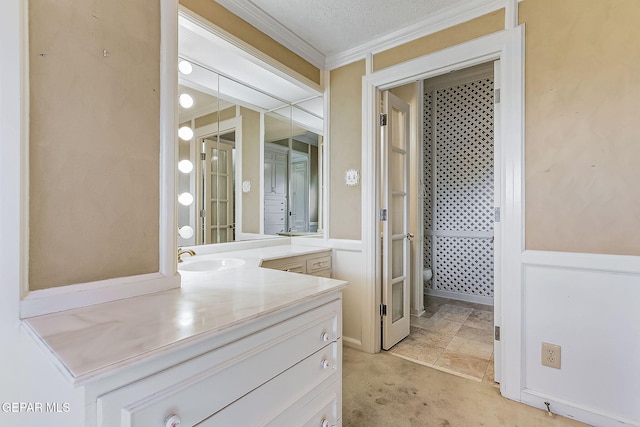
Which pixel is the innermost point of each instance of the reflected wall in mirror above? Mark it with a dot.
(251, 165)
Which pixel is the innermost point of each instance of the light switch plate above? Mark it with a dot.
(351, 177)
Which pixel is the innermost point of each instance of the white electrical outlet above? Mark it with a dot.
(551, 355)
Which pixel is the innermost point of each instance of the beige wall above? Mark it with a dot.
(251, 170)
(582, 133)
(215, 117)
(229, 22)
(457, 34)
(94, 140)
(345, 207)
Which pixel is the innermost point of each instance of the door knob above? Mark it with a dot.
(409, 236)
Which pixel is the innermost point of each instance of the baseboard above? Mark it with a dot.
(352, 343)
(574, 410)
(461, 297)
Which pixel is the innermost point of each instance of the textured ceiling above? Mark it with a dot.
(334, 26)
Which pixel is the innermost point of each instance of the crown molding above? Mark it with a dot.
(444, 19)
(434, 23)
(274, 29)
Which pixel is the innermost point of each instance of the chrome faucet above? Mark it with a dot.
(184, 251)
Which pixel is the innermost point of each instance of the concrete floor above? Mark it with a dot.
(384, 390)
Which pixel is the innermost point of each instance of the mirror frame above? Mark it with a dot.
(261, 59)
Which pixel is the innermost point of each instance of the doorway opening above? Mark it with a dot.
(453, 201)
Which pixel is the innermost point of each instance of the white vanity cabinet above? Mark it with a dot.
(283, 369)
(315, 264)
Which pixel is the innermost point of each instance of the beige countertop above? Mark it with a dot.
(90, 340)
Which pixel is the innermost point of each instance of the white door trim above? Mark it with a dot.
(508, 46)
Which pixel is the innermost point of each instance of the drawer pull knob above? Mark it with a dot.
(172, 421)
(325, 363)
(325, 337)
(325, 423)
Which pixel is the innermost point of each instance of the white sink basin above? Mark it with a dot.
(211, 264)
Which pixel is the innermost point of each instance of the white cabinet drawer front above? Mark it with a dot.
(322, 273)
(327, 413)
(274, 218)
(273, 228)
(320, 263)
(279, 394)
(322, 404)
(202, 386)
(274, 205)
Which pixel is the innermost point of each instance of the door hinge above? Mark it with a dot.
(383, 214)
(203, 213)
(496, 215)
(383, 119)
(496, 96)
(496, 333)
(383, 309)
(203, 156)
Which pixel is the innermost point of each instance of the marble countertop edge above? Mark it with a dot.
(134, 359)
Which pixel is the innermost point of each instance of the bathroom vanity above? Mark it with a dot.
(240, 346)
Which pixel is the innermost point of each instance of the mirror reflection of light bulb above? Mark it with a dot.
(185, 133)
(185, 166)
(185, 232)
(185, 67)
(185, 199)
(185, 100)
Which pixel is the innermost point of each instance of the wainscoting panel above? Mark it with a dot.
(349, 265)
(590, 306)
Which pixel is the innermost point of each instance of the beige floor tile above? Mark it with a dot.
(489, 375)
(431, 338)
(454, 313)
(486, 315)
(417, 350)
(475, 334)
(436, 323)
(472, 348)
(479, 324)
(471, 366)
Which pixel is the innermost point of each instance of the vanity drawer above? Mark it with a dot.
(274, 204)
(276, 397)
(320, 263)
(200, 387)
(322, 404)
(274, 218)
(271, 229)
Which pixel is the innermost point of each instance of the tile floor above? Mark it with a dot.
(452, 336)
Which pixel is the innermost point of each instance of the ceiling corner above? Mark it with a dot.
(274, 29)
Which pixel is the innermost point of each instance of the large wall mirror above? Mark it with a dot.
(250, 147)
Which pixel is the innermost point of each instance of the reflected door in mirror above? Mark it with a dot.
(217, 215)
(275, 190)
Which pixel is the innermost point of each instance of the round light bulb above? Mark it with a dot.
(185, 232)
(185, 100)
(185, 133)
(185, 166)
(185, 67)
(185, 199)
